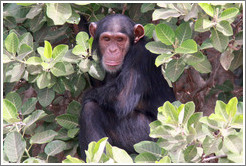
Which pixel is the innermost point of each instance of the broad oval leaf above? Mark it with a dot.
(204, 66)
(15, 72)
(121, 156)
(96, 71)
(149, 30)
(228, 13)
(164, 14)
(170, 111)
(43, 80)
(157, 47)
(12, 43)
(15, 99)
(183, 32)
(46, 96)
(59, 51)
(148, 146)
(231, 107)
(35, 116)
(199, 25)
(85, 65)
(43, 137)
(225, 28)
(14, 146)
(9, 111)
(47, 50)
(34, 61)
(29, 106)
(58, 69)
(74, 108)
(188, 46)
(59, 12)
(207, 8)
(165, 34)
(233, 143)
(163, 58)
(190, 152)
(54, 147)
(193, 59)
(145, 158)
(147, 7)
(219, 41)
(174, 69)
(82, 39)
(220, 110)
(67, 121)
(226, 59)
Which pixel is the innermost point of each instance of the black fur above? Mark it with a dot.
(127, 102)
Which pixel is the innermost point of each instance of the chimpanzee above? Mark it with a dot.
(122, 108)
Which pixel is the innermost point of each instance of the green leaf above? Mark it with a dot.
(58, 69)
(174, 69)
(165, 34)
(78, 50)
(148, 146)
(70, 159)
(59, 51)
(10, 112)
(59, 12)
(170, 111)
(165, 159)
(72, 132)
(74, 19)
(96, 71)
(33, 160)
(43, 137)
(29, 106)
(231, 107)
(203, 66)
(194, 59)
(157, 47)
(145, 158)
(15, 72)
(12, 43)
(35, 116)
(85, 65)
(34, 61)
(24, 51)
(149, 30)
(188, 46)
(226, 59)
(187, 112)
(14, 146)
(183, 32)
(15, 99)
(163, 58)
(237, 158)
(34, 11)
(206, 44)
(164, 14)
(47, 49)
(233, 143)
(190, 152)
(220, 110)
(211, 123)
(67, 121)
(54, 147)
(228, 13)
(219, 41)
(95, 150)
(207, 8)
(147, 7)
(27, 39)
(43, 80)
(120, 155)
(82, 39)
(46, 96)
(225, 28)
(211, 145)
(74, 108)
(199, 25)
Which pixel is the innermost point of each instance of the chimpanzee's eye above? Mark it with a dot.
(119, 39)
(106, 38)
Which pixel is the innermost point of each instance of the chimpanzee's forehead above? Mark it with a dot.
(118, 24)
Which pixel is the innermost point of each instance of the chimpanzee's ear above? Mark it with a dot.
(92, 29)
(138, 32)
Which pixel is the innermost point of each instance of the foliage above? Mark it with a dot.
(48, 64)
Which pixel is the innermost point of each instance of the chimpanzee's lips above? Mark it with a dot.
(112, 63)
